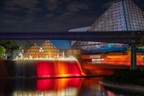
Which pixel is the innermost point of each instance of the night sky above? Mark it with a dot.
(51, 15)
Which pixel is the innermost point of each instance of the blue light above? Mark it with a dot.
(61, 44)
(109, 45)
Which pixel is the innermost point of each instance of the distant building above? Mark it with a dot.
(46, 50)
(33, 51)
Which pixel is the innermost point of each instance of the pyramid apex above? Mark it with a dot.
(121, 16)
(35, 44)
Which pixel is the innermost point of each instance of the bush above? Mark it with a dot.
(2, 51)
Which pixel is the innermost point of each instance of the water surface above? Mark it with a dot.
(57, 87)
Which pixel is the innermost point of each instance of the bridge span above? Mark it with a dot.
(127, 37)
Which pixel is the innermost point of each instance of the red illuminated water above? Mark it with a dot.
(47, 69)
(57, 84)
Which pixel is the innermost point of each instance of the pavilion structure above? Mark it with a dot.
(32, 52)
(45, 51)
(49, 50)
(124, 15)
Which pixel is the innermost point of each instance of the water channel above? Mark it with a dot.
(57, 87)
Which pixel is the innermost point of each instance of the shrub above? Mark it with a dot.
(2, 51)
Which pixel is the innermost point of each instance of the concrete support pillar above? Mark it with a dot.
(133, 57)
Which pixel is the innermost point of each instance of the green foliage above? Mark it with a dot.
(2, 51)
(9, 45)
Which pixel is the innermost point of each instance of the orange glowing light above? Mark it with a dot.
(122, 60)
(46, 69)
(57, 84)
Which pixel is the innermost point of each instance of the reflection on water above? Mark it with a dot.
(57, 84)
(55, 87)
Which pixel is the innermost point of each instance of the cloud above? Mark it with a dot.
(52, 4)
(65, 15)
(8, 18)
(77, 6)
(49, 15)
(52, 1)
(68, 18)
(10, 21)
(29, 18)
(82, 20)
(109, 3)
(69, 21)
(11, 8)
(27, 7)
(28, 4)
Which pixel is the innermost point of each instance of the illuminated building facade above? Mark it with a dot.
(46, 50)
(50, 50)
(121, 16)
(124, 15)
(32, 51)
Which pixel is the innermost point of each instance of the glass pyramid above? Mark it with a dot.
(46, 50)
(123, 15)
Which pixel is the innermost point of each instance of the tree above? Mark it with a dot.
(2, 51)
(9, 45)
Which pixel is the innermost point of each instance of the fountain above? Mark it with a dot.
(47, 67)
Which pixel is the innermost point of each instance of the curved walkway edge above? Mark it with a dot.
(123, 87)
